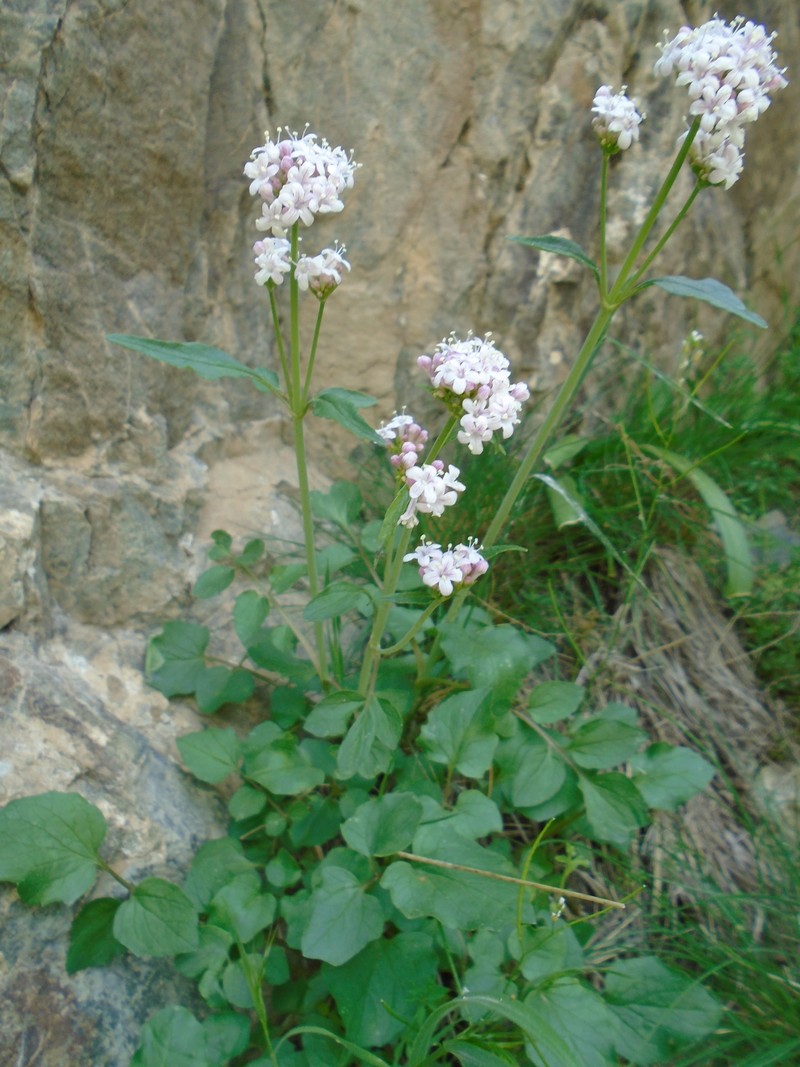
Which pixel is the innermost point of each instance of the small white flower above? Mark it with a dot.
(272, 259)
(617, 118)
(445, 570)
(323, 273)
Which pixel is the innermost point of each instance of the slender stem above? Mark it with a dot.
(603, 213)
(690, 199)
(298, 408)
(508, 878)
(413, 631)
(615, 296)
(117, 877)
(313, 353)
(287, 382)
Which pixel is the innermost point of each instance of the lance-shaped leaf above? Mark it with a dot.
(342, 405)
(91, 937)
(559, 246)
(738, 558)
(210, 363)
(710, 291)
(49, 846)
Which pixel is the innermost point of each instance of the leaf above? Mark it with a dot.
(565, 502)
(735, 542)
(173, 1038)
(548, 950)
(337, 599)
(211, 755)
(275, 652)
(668, 776)
(658, 1010)
(342, 405)
(283, 768)
(246, 803)
(578, 1016)
(493, 657)
(559, 246)
(213, 581)
(475, 815)
(469, 1055)
(217, 686)
(176, 658)
(243, 907)
(331, 716)
(539, 776)
(359, 1053)
(227, 1035)
(553, 701)
(342, 920)
(49, 846)
(370, 743)
(708, 290)
(209, 363)
(564, 450)
(383, 986)
(383, 825)
(91, 938)
(614, 807)
(213, 866)
(341, 505)
(158, 919)
(460, 733)
(249, 613)
(459, 900)
(602, 743)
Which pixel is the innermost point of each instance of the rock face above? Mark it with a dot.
(123, 209)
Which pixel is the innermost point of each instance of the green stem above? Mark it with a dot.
(615, 296)
(603, 213)
(413, 631)
(298, 408)
(117, 877)
(287, 382)
(690, 199)
(313, 354)
(373, 652)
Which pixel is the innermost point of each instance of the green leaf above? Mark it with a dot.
(227, 1035)
(614, 807)
(549, 950)
(173, 1038)
(564, 450)
(337, 599)
(275, 652)
(283, 870)
(553, 701)
(341, 505)
(217, 686)
(251, 553)
(565, 502)
(469, 1055)
(209, 363)
(176, 658)
(342, 920)
(49, 846)
(493, 657)
(667, 776)
(213, 581)
(246, 802)
(331, 716)
(658, 1010)
(735, 542)
(457, 899)
(359, 1053)
(243, 907)
(211, 755)
(91, 938)
(383, 825)
(460, 732)
(708, 290)
(371, 741)
(249, 613)
(213, 866)
(210, 956)
(158, 919)
(342, 405)
(384, 985)
(559, 246)
(540, 774)
(283, 768)
(601, 743)
(578, 1016)
(475, 815)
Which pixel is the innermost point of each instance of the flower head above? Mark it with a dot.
(729, 71)
(616, 120)
(445, 570)
(323, 273)
(272, 259)
(431, 489)
(297, 178)
(405, 438)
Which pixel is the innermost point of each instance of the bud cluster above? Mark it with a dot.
(616, 120)
(729, 70)
(405, 438)
(477, 375)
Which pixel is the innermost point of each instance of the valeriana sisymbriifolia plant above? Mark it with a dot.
(394, 885)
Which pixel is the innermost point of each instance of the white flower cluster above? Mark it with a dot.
(729, 70)
(298, 178)
(431, 489)
(405, 437)
(478, 374)
(323, 273)
(617, 118)
(444, 570)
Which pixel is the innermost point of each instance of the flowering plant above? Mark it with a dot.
(370, 902)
